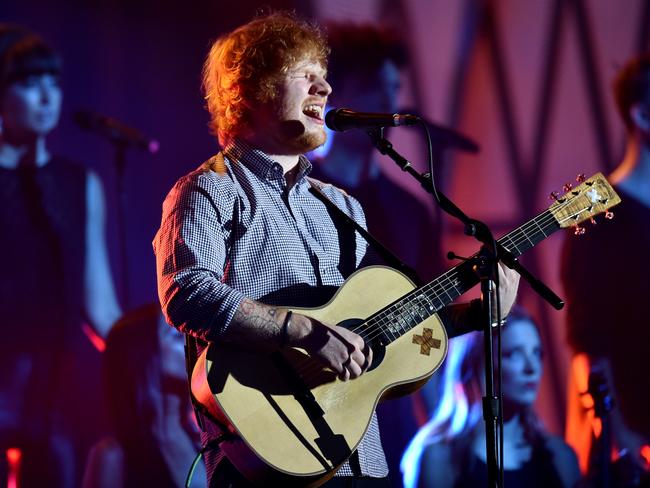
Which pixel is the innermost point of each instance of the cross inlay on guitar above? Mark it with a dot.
(426, 341)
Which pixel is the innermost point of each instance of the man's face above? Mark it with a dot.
(294, 122)
(31, 107)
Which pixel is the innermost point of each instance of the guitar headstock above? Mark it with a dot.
(593, 196)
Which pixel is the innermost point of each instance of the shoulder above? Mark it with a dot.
(105, 465)
(108, 447)
(66, 164)
(93, 184)
(213, 180)
(559, 448)
(436, 451)
(342, 199)
(94, 197)
(564, 460)
(70, 174)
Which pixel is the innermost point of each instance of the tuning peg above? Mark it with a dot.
(593, 221)
(578, 231)
(567, 187)
(609, 215)
(581, 178)
(553, 195)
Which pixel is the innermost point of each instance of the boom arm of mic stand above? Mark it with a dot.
(542, 290)
(471, 227)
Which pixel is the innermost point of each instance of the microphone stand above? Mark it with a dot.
(485, 265)
(121, 137)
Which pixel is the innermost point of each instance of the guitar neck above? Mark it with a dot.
(402, 315)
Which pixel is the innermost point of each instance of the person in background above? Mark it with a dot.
(605, 276)
(449, 451)
(55, 274)
(365, 69)
(154, 436)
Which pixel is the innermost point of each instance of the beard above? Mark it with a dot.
(298, 140)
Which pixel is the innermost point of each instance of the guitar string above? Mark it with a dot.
(381, 320)
(520, 237)
(515, 241)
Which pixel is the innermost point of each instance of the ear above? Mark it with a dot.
(640, 115)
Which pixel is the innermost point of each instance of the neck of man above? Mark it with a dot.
(285, 157)
(633, 174)
(31, 153)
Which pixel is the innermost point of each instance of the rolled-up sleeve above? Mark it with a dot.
(191, 254)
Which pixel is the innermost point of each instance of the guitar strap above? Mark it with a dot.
(387, 255)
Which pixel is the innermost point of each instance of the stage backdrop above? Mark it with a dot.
(528, 80)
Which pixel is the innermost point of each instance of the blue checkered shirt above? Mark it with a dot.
(230, 230)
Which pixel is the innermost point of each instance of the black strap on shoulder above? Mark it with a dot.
(388, 256)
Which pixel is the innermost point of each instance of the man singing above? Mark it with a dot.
(243, 234)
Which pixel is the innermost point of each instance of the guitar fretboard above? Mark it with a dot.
(402, 315)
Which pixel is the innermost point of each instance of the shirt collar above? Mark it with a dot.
(260, 163)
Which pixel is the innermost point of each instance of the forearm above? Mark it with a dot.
(461, 318)
(267, 326)
(255, 323)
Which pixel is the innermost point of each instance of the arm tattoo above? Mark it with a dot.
(254, 322)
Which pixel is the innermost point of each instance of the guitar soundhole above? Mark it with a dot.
(371, 338)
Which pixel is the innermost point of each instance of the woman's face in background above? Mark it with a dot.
(31, 107)
(521, 363)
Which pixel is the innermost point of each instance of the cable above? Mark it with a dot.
(434, 191)
(190, 473)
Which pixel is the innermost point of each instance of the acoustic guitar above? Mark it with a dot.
(294, 422)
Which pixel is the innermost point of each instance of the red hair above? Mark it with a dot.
(244, 67)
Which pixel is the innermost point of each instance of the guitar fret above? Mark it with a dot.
(540, 228)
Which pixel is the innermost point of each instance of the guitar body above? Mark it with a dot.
(298, 422)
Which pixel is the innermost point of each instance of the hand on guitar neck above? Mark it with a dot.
(508, 284)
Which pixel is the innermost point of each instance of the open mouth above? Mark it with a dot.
(314, 111)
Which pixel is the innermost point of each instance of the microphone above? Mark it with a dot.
(115, 131)
(342, 119)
